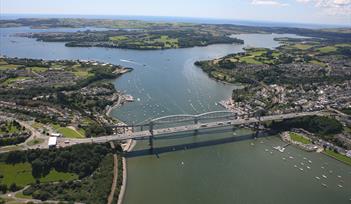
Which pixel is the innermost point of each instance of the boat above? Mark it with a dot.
(290, 157)
(309, 161)
(340, 186)
(308, 167)
(324, 176)
(339, 176)
(301, 169)
(317, 178)
(325, 185)
(279, 148)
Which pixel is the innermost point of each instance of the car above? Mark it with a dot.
(203, 125)
(219, 123)
(229, 122)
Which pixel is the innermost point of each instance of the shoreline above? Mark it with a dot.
(127, 147)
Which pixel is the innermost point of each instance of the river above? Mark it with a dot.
(220, 166)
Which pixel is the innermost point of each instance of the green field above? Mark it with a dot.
(299, 138)
(35, 142)
(119, 38)
(13, 80)
(9, 128)
(68, 132)
(37, 69)
(8, 66)
(302, 46)
(338, 156)
(327, 49)
(21, 174)
(83, 74)
(318, 63)
(249, 60)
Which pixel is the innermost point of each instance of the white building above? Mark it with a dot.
(348, 153)
(52, 142)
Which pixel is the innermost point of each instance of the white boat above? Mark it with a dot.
(324, 176)
(308, 167)
(317, 178)
(340, 186)
(325, 185)
(279, 148)
(301, 169)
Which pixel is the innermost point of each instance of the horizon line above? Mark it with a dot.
(188, 17)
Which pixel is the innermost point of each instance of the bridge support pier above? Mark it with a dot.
(256, 130)
(151, 138)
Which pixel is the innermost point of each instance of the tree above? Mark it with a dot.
(13, 187)
(37, 168)
(3, 188)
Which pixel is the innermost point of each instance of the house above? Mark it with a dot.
(348, 153)
(55, 134)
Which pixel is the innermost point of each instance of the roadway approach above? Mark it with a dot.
(231, 119)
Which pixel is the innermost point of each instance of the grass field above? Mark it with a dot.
(302, 46)
(299, 138)
(20, 195)
(8, 66)
(13, 80)
(338, 156)
(119, 38)
(327, 49)
(249, 60)
(69, 132)
(37, 125)
(318, 63)
(21, 174)
(35, 142)
(9, 129)
(37, 69)
(83, 74)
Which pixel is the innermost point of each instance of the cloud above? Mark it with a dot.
(268, 3)
(332, 7)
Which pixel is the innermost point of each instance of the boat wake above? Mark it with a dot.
(131, 61)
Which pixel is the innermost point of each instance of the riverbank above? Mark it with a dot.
(126, 147)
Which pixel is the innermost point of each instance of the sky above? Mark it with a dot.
(295, 11)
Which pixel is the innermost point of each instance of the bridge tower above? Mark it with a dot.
(151, 138)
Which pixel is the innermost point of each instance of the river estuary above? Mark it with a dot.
(220, 166)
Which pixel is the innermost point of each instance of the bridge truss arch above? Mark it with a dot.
(195, 118)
